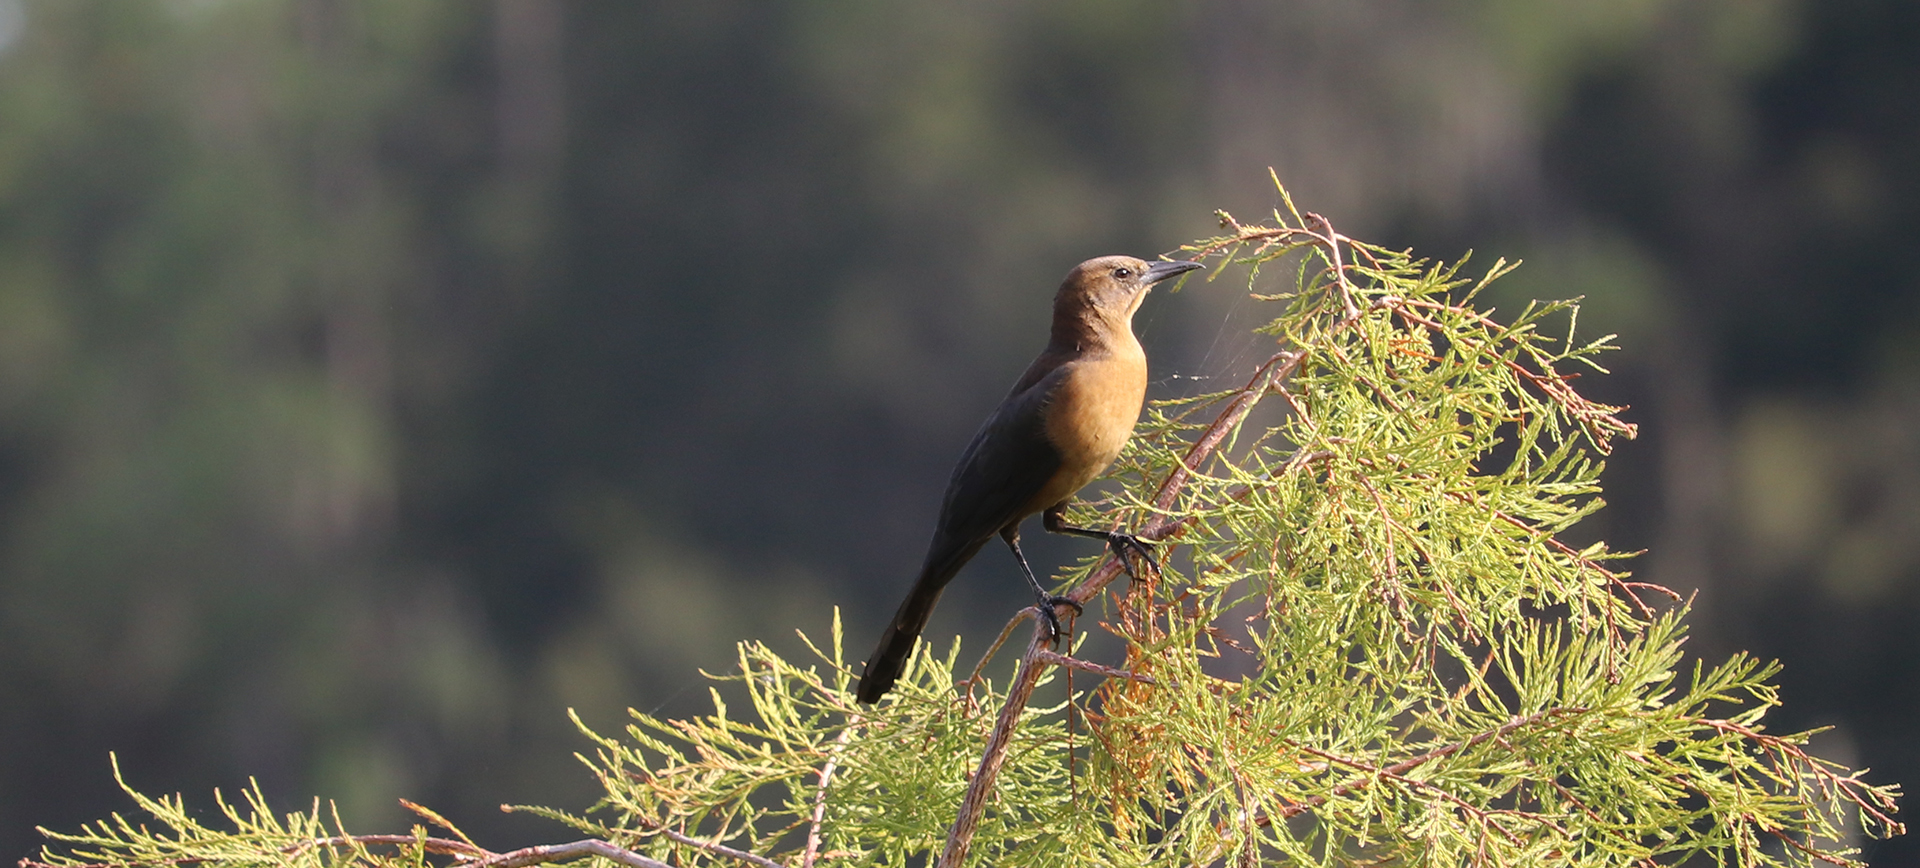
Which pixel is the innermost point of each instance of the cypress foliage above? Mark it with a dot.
(1364, 642)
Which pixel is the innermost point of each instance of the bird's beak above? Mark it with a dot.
(1160, 271)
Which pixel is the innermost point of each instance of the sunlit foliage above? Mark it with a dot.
(1364, 643)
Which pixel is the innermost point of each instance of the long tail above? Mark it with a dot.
(889, 659)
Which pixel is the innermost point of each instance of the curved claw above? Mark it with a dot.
(1123, 544)
(1054, 630)
(1052, 619)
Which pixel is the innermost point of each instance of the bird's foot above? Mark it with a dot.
(1052, 618)
(1124, 544)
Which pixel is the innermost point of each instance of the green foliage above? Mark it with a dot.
(1365, 644)
(894, 781)
(258, 837)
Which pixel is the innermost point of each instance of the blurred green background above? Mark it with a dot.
(379, 378)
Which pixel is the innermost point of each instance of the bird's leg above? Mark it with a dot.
(1011, 533)
(1121, 544)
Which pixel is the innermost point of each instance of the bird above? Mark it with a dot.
(1060, 427)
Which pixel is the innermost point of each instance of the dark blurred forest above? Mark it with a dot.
(380, 379)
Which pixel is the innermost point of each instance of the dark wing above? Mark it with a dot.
(1009, 461)
(1001, 472)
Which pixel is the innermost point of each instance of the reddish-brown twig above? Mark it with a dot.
(1058, 659)
(1847, 787)
(1402, 767)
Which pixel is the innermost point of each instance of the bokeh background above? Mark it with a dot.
(380, 378)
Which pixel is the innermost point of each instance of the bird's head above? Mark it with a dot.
(1114, 286)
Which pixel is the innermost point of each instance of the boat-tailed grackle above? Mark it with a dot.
(1060, 427)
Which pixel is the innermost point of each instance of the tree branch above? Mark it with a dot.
(960, 837)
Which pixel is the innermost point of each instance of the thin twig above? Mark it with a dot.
(1846, 786)
(1824, 857)
(1600, 421)
(1059, 659)
(1472, 809)
(714, 847)
(820, 798)
(1331, 243)
(1612, 577)
(994, 650)
(1411, 763)
(543, 853)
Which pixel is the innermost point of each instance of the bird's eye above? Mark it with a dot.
(1123, 273)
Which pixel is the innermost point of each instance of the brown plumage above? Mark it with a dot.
(1061, 426)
